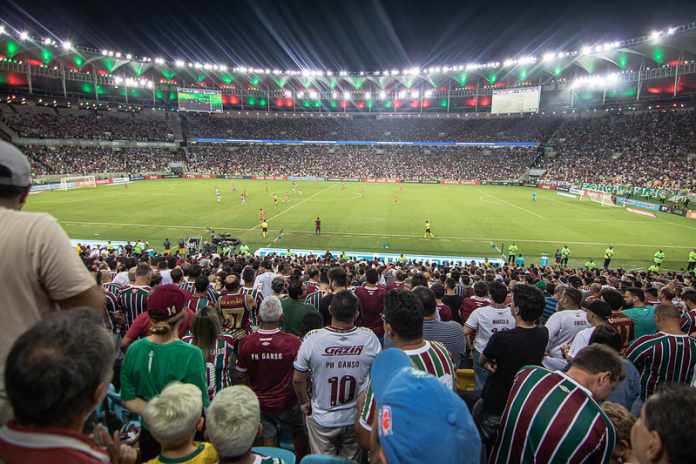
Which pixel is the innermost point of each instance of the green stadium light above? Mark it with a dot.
(263, 102)
(200, 77)
(108, 64)
(78, 61)
(622, 60)
(168, 74)
(159, 95)
(658, 55)
(557, 71)
(46, 55)
(461, 78)
(333, 104)
(370, 104)
(443, 103)
(317, 104)
(387, 103)
(12, 48)
(492, 78)
(87, 88)
(305, 104)
(523, 74)
(251, 101)
(254, 80)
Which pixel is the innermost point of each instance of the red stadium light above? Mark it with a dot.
(426, 103)
(361, 105)
(471, 102)
(344, 104)
(289, 102)
(279, 102)
(397, 104)
(414, 104)
(485, 101)
(234, 100)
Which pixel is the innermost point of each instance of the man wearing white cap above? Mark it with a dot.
(40, 270)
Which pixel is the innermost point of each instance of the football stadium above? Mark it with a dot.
(258, 234)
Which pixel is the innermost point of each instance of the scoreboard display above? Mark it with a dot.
(208, 101)
(521, 100)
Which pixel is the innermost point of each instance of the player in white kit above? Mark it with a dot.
(339, 358)
(218, 195)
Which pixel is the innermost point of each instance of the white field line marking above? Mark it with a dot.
(515, 206)
(292, 206)
(355, 234)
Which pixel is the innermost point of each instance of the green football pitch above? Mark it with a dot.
(466, 220)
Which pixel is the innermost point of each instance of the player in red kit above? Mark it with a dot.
(317, 226)
(371, 298)
(265, 362)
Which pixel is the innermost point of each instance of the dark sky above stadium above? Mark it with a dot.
(332, 34)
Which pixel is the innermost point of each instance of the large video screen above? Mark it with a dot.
(522, 100)
(209, 101)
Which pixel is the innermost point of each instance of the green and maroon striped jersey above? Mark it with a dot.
(662, 358)
(432, 358)
(315, 297)
(133, 302)
(550, 418)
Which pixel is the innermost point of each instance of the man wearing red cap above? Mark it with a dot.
(153, 362)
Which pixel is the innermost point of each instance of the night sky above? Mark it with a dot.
(334, 35)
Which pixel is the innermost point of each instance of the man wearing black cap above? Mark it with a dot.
(40, 270)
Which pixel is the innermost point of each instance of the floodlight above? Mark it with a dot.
(329, 73)
(159, 60)
(402, 94)
(2, 29)
(655, 35)
(549, 56)
(300, 94)
(334, 95)
(206, 66)
(24, 35)
(671, 30)
(129, 56)
(586, 50)
(415, 94)
(118, 54)
(428, 93)
(346, 95)
(368, 95)
(111, 53)
(313, 95)
(67, 45)
(287, 94)
(47, 41)
(362, 73)
(105, 52)
(118, 79)
(223, 67)
(149, 84)
(343, 73)
(382, 95)
(197, 65)
(179, 63)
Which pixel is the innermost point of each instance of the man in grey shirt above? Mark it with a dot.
(450, 333)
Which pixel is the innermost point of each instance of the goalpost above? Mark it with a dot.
(77, 182)
(603, 198)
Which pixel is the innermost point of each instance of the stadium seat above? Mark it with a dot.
(321, 459)
(465, 380)
(284, 455)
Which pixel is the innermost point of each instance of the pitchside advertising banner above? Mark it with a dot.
(637, 203)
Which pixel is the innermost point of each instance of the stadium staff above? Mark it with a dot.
(40, 270)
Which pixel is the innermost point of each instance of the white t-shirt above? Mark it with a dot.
(581, 340)
(563, 326)
(340, 362)
(166, 276)
(263, 283)
(121, 278)
(486, 321)
(38, 266)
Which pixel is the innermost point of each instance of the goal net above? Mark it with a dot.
(77, 182)
(603, 198)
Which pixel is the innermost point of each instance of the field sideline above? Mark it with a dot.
(466, 220)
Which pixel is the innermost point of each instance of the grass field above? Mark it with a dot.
(466, 220)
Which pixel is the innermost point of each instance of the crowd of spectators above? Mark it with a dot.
(648, 149)
(404, 162)
(52, 123)
(77, 160)
(379, 128)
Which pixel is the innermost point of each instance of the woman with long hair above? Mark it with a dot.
(219, 349)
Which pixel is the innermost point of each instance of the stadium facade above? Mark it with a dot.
(657, 67)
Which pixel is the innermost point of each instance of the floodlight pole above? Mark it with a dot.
(449, 90)
(62, 80)
(676, 76)
(31, 89)
(94, 79)
(639, 85)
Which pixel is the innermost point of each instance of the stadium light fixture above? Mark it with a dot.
(550, 56)
(382, 95)
(586, 50)
(197, 65)
(415, 94)
(329, 73)
(223, 67)
(47, 41)
(402, 94)
(671, 30)
(179, 63)
(334, 95)
(343, 73)
(118, 79)
(159, 60)
(655, 36)
(105, 52)
(346, 95)
(67, 45)
(24, 35)
(368, 96)
(300, 94)
(428, 93)
(313, 94)
(118, 55)
(509, 62)
(111, 53)
(2, 29)
(362, 73)
(129, 56)
(287, 94)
